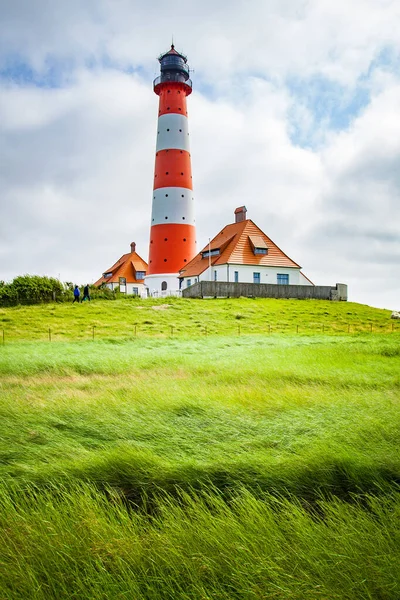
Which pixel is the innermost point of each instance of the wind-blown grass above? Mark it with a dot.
(76, 543)
(256, 466)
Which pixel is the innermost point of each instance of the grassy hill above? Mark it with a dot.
(125, 318)
(195, 462)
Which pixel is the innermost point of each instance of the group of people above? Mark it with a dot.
(77, 294)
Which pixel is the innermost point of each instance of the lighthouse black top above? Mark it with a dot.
(174, 68)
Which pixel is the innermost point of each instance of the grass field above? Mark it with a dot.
(133, 317)
(223, 466)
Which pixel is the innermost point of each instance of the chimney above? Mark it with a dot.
(240, 214)
(133, 247)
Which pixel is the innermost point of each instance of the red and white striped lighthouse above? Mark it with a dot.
(172, 233)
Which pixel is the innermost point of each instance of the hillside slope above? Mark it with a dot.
(126, 318)
(176, 464)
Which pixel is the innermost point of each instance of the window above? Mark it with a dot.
(208, 253)
(107, 275)
(283, 279)
(164, 286)
(189, 283)
(215, 276)
(260, 250)
(135, 291)
(256, 277)
(236, 276)
(140, 274)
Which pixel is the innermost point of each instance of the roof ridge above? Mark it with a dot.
(276, 246)
(234, 243)
(240, 233)
(119, 268)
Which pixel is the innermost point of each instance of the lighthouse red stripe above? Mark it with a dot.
(173, 169)
(171, 247)
(172, 99)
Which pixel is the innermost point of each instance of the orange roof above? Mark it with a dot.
(257, 241)
(235, 243)
(126, 266)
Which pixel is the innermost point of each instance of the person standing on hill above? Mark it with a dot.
(86, 295)
(77, 293)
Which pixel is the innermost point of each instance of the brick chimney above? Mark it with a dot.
(240, 214)
(133, 246)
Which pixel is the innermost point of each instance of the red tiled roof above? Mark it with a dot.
(126, 266)
(257, 241)
(235, 245)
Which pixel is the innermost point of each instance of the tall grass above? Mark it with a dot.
(77, 543)
(256, 466)
(300, 414)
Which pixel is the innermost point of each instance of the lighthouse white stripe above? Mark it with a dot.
(173, 205)
(172, 132)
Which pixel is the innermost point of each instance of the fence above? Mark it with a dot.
(133, 331)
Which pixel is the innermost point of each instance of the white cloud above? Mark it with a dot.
(76, 166)
(337, 38)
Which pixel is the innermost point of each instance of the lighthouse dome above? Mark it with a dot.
(174, 66)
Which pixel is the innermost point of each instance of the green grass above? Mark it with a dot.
(77, 544)
(130, 317)
(194, 466)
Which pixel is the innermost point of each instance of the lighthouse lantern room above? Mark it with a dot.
(172, 232)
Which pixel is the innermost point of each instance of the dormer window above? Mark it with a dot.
(258, 244)
(207, 253)
(107, 275)
(140, 274)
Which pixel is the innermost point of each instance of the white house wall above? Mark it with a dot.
(141, 290)
(267, 274)
(155, 283)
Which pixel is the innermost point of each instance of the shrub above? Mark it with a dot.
(31, 289)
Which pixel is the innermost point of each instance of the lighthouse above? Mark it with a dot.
(172, 231)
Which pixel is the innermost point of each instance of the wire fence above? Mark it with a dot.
(143, 330)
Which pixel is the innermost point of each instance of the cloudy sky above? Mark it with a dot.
(295, 113)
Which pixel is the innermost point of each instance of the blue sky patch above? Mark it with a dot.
(328, 105)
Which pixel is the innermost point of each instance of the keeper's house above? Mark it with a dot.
(242, 253)
(127, 274)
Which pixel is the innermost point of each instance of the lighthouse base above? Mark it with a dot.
(161, 285)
